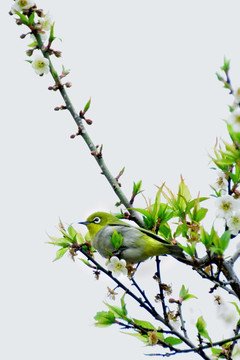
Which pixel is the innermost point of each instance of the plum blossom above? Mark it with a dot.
(21, 5)
(46, 22)
(226, 205)
(117, 266)
(233, 223)
(236, 94)
(221, 183)
(41, 65)
(234, 119)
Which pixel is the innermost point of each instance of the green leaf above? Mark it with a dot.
(51, 35)
(143, 338)
(184, 195)
(23, 18)
(184, 294)
(220, 78)
(72, 232)
(116, 310)
(165, 213)
(31, 18)
(87, 106)
(165, 231)
(200, 215)
(182, 229)
(63, 242)
(144, 324)
(104, 318)
(123, 305)
(205, 238)
(172, 340)
(216, 351)
(60, 253)
(225, 238)
(190, 249)
(226, 65)
(156, 205)
(137, 187)
(79, 239)
(147, 217)
(116, 239)
(144, 212)
(201, 327)
(220, 243)
(33, 44)
(86, 262)
(236, 306)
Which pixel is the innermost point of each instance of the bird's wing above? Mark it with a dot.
(144, 231)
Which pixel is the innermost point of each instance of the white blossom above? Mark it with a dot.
(41, 65)
(236, 94)
(117, 266)
(21, 5)
(226, 205)
(234, 119)
(46, 22)
(234, 223)
(221, 183)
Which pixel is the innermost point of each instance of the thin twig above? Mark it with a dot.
(197, 349)
(179, 303)
(162, 298)
(142, 292)
(218, 283)
(142, 304)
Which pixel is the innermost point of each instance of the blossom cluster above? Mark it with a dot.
(228, 208)
(41, 26)
(226, 185)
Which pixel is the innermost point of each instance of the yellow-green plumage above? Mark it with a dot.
(138, 244)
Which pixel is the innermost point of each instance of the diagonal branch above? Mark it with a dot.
(82, 131)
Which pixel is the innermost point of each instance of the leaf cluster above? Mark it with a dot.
(71, 241)
(143, 330)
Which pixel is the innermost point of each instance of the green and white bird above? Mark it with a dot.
(137, 245)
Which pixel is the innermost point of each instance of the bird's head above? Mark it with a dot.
(96, 221)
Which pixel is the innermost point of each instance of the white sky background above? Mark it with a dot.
(157, 106)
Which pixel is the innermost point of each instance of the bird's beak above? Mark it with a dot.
(84, 222)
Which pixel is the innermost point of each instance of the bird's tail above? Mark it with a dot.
(177, 252)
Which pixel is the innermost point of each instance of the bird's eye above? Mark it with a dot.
(96, 220)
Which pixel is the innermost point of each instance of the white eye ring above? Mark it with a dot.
(96, 220)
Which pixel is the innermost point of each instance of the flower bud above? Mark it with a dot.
(18, 21)
(29, 52)
(58, 54)
(40, 12)
(38, 26)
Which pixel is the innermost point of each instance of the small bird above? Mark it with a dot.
(137, 245)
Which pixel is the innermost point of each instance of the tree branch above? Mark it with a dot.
(142, 304)
(197, 349)
(235, 256)
(82, 131)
